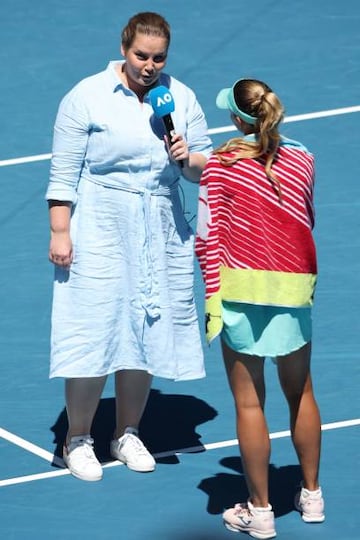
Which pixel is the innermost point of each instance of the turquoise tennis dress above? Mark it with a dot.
(267, 331)
(127, 301)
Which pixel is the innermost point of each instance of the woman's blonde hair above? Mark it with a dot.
(147, 22)
(256, 99)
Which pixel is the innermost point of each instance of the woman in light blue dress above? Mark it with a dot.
(123, 252)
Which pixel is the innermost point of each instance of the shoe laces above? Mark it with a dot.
(135, 443)
(242, 509)
(248, 510)
(86, 445)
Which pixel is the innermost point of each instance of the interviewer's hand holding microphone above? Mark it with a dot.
(163, 105)
(177, 148)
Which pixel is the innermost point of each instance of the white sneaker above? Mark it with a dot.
(130, 450)
(80, 459)
(257, 522)
(311, 505)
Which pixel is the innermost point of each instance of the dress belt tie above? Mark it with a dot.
(150, 285)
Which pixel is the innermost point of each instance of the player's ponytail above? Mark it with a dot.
(253, 100)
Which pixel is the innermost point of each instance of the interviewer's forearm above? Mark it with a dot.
(59, 215)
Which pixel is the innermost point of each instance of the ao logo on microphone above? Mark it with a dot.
(164, 99)
(161, 101)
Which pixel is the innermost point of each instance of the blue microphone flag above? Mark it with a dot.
(161, 101)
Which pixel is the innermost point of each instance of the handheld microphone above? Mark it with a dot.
(163, 105)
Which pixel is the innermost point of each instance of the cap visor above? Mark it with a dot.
(222, 98)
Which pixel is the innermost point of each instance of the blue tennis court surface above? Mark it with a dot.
(309, 52)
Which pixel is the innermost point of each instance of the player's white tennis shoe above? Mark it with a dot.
(257, 522)
(130, 450)
(311, 505)
(79, 456)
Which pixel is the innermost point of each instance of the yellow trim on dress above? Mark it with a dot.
(261, 287)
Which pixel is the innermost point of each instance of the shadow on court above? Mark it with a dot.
(226, 489)
(169, 423)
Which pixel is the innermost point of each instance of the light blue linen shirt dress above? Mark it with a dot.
(127, 300)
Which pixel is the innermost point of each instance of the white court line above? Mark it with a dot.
(62, 472)
(212, 131)
(297, 118)
(30, 447)
(28, 159)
